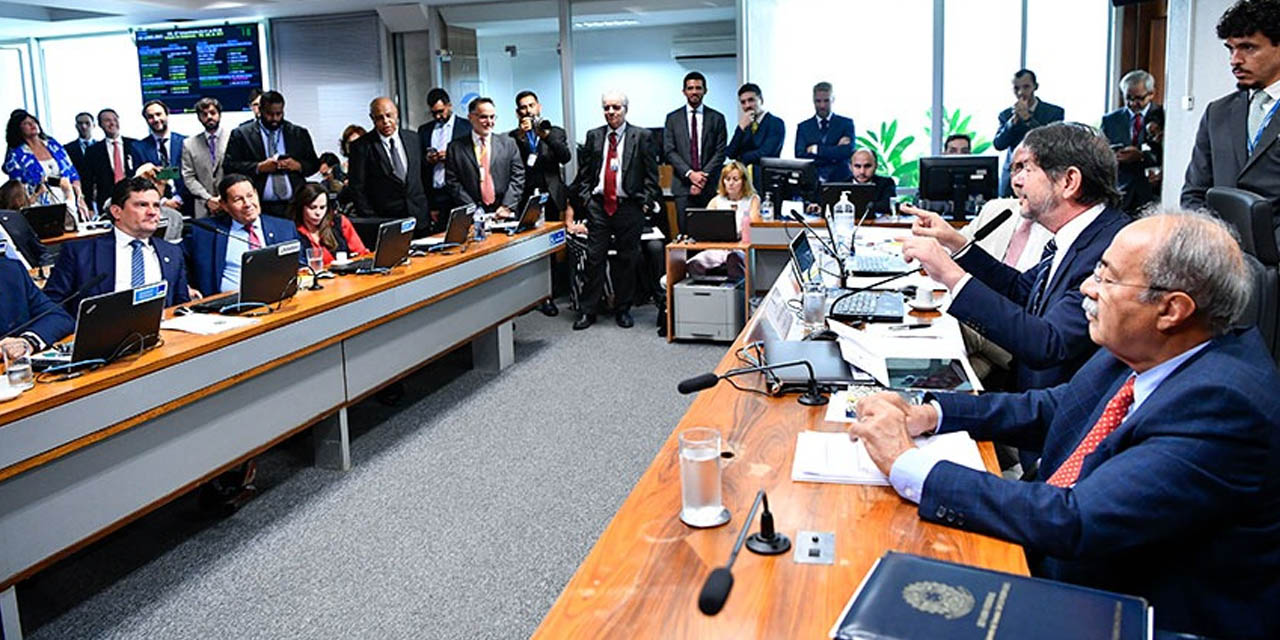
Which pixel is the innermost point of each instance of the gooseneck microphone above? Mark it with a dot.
(93, 282)
(716, 589)
(829, 248)
(810, 397)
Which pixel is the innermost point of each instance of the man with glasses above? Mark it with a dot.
(484, 169)
(1126, 128)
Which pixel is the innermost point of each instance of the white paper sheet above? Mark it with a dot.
(831, 457)
(206, 324)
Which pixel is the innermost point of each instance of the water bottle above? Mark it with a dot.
(479, 225)
(843, 221)
(766, 207)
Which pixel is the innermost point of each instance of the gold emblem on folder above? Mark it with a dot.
(940, 599)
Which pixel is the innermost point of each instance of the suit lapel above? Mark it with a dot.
(1238, 127)
(104, 259)
(383, 156)
(1267, 139)
(629, 149)
(254, 134)
(1084, 239)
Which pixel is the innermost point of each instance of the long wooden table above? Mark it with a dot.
(83, 457)
(642, 578)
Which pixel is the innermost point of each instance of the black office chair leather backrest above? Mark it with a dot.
(24, 238)
(1254, 219)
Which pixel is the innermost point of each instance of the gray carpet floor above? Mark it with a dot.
(468, 507)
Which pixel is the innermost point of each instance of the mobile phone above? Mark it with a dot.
(53, 181)
(283, 156)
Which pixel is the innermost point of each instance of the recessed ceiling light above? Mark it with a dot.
(227, 4)
(601, 24)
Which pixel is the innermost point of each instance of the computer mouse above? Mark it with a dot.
(823, 334)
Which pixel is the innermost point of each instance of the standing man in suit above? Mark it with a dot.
(213, 259)
(163, 149)
(1236, 143)
(1027, 113)
(109, 160)
(1126, 129)
(275, 153)
(1159, 476)
(84, 139)
(693, 142)
(435, 137)
(386, 169)
(131, 255)
(618, 181)
(545, 149)
(760, 134)
(202, 157)
(826, 138)
(484, 169)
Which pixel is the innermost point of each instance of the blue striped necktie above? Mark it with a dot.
(1042, 278)
(138, 273)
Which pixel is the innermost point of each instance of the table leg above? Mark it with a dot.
(9, 621)
(333, 442)
(675, 273)
(495, 349)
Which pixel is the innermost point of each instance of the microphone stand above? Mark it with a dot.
(811, 397)
(831, 250)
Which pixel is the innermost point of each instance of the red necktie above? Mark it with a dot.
(486, 180)
(254, 241)
(1137, 129)
(1067, 474)
(117, 162)
(611, 176)
(694, 161)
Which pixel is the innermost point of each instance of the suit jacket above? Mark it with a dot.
(714, 137)
(462, 171)
(748, 148)
(77, 156)
(22, 301)
(1131, 177)
(146, 151)
(1010, 134)
(80, 261)
(199, 174)
(206, 250)
(461, 129)
(547, 172)
(886, 188)
(1179, 505)
(100, 178)
(831, 160)
(1221, 155)
(245, 150)
(639, 165)
(1049, 347)
(375, 189)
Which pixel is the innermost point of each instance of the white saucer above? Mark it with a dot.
(8, 393)
(925, 307)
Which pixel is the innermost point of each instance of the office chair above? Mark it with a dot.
(24, 239)
(1254, 220)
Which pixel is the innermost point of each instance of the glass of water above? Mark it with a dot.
(701, 502)
(17, 365)
(315, 262)
(814, 307)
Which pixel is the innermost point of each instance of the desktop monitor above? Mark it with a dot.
(965, 183)
(787, 179)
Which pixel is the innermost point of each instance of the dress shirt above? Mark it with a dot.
(909, 471)
(84, 144)
(440, 137)
(604, 164)
(124, 261)
(235, 250)
(269, 191)
(164, 160)
(386, 146)
(1256, 119)
(690, 114)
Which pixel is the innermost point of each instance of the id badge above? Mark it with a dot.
(613, 165)
(533, 159)
(481, 173)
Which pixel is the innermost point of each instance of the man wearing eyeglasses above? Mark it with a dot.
(1126, 129)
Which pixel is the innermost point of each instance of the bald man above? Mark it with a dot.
(385, 177)
(863, 165)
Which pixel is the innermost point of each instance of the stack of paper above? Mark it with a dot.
(828, 457)
(206, 324)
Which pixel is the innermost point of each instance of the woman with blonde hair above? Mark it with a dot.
(734, 192)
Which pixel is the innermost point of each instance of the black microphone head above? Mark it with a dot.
(995, 223)
(698, 383)
(715, 591)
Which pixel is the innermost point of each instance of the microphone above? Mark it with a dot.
(716, 589)
(768, 542)
(829, 248)
(209, 226)
(93, 282)
(811, 397)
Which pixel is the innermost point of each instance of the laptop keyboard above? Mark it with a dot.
(886, 305)
(877, 264)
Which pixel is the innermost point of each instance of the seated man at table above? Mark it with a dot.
(216, 244)
(1160, 475)
(23, 301)
(864, 164)
(130, 256)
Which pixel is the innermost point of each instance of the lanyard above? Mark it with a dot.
(1257, 137)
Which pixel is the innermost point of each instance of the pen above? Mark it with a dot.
(903, 327)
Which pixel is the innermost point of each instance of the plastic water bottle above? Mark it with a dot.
(843, 220)
(766, 207)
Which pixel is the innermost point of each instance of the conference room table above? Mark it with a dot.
(643, 576)
(81, 458)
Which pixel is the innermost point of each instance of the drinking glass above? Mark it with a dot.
(17, 367)
(701, 502)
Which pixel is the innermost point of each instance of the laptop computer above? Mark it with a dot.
(267, 275)
(712, 225)
(456, 234)
(861, 195)
(528, 218)
(864, 306)
(48, 221)
(394, 238)
(111, 326)
(829, 366)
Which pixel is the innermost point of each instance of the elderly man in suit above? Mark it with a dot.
(1126, 129)
(1027, 113)
(1236, 144)
(202, 158)
(385, 176)
(275, 153)
(618, 180)
(214, 256)
(131, 255)
(693, 142)
(484, 169)
(826, 138)
(434, 137)
(1159, 476)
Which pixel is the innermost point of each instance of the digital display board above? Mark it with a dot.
(180, 66)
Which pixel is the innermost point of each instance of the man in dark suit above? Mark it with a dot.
(84, 139)
(826, 138)
(131, 255)
(618, 181)
(275, 153)
(862, 170)
(1027, 113)
(435, 136)
(1236, 143)
(22, 302)
(545, 150)
(108, 161)
(163, 149)
(213, 259)
(386, 169)
(695, 168)
(484, 169)
(760, 134)
(1159, 476)
(1126, 129)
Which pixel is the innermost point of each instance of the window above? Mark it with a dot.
(978, 68)
(1067, 48)
(74, 86)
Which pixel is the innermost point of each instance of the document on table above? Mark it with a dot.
(206, 324)
(831, 457)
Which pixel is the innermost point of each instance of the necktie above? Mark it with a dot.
(1067, 474)
(213, 152)
(1042, 278)
(754, 126)
(822, 127)
(255, 242)
(163, 146)
(137, 272)
(486, 179)
(117, 161)
(1018, 243)
(1259, 107)
(397, 165)
(695, 162)
(1137, 128)
(279, 183)
(611, 176)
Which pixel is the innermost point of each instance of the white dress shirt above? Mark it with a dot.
(440, 137)
(124, 261)
(235, 250)
(604, 164)
(691, 115)
(399, 148)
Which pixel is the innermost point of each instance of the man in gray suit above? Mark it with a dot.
(202, 158)
(695, 168)
(1236, 144)
(482, 168)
